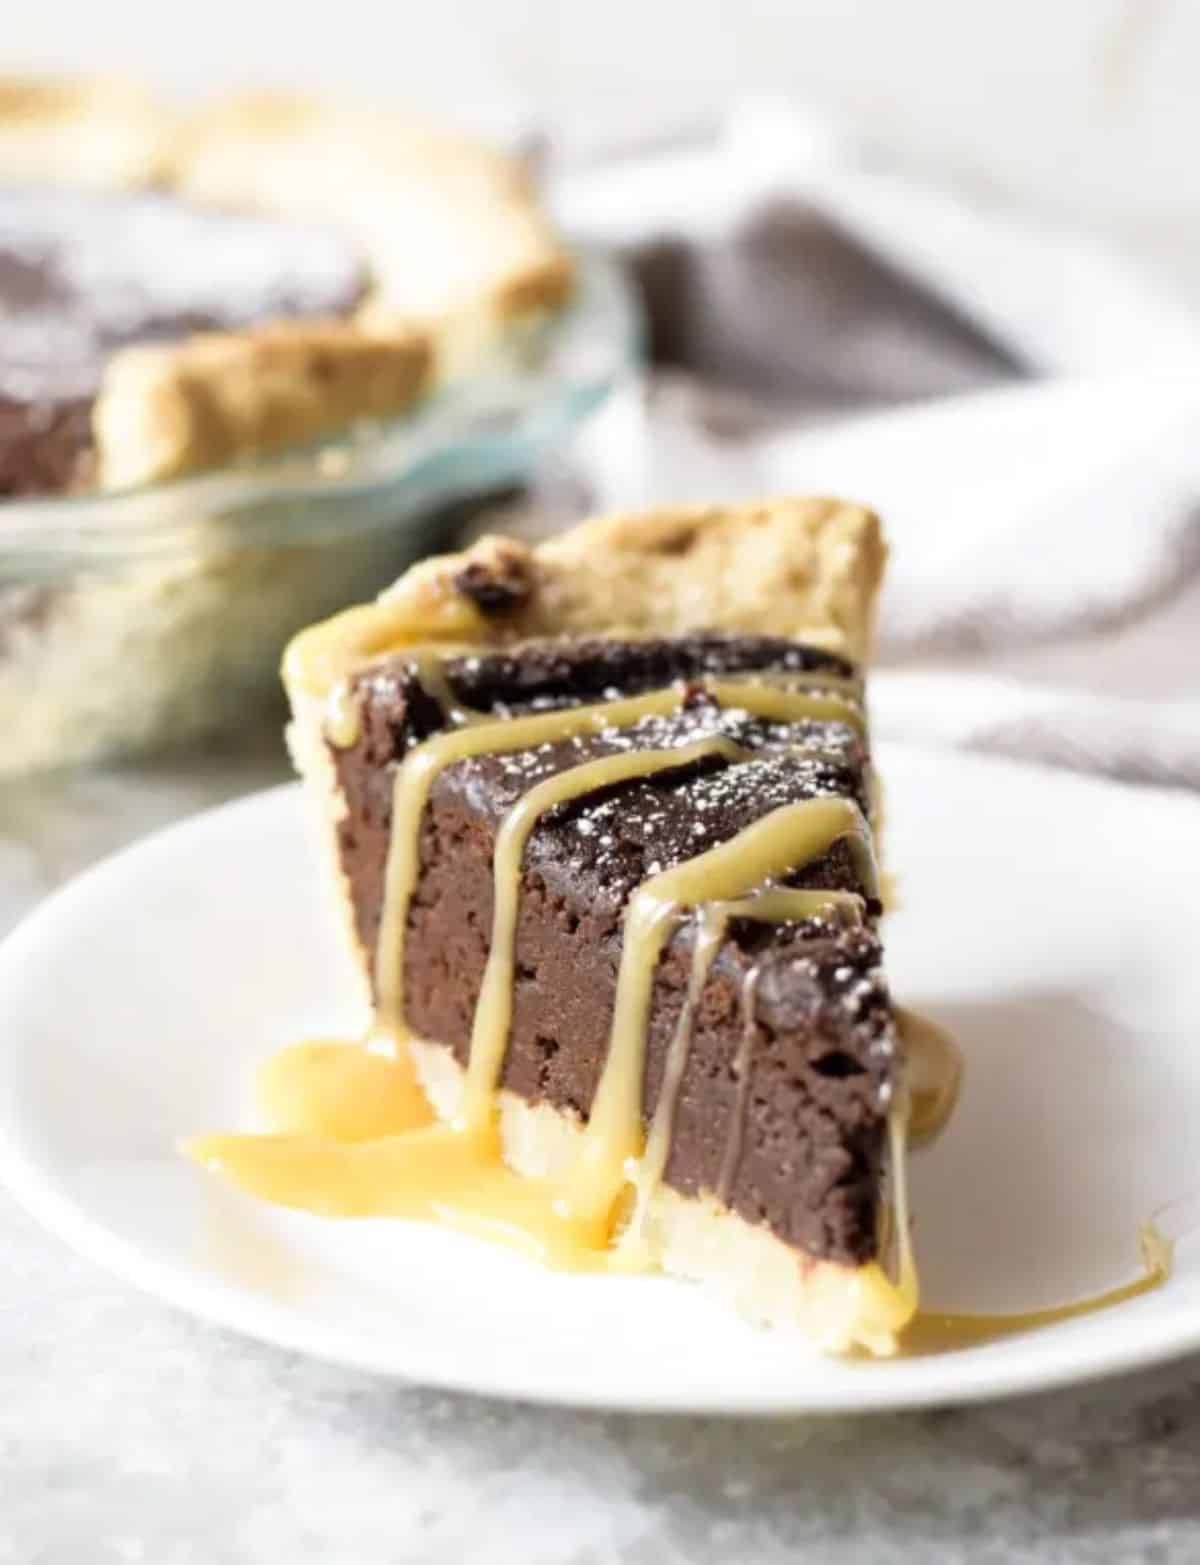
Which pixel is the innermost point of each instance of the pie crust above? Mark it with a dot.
(809, 569)
(458, 252)
(805, 568)
(100, 132)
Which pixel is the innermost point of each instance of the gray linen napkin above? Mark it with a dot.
(1044, 510)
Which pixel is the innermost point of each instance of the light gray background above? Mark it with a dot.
(1079, 108)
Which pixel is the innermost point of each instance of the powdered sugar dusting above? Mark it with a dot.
(623, 835)
(82, 273)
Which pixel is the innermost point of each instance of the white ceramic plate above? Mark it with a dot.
(1048, 919)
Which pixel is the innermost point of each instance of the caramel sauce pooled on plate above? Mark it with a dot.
(352, 1131)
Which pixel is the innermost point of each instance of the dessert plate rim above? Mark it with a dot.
(53, 1184)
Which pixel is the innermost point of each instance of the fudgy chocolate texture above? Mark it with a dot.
(85, 273)
(45, 444)
(823, 1040)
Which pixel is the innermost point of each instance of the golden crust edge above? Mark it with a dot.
(128, 131)
(326, 808)
(164, 411)
(809, 569)
(214, 399)
(392, 145)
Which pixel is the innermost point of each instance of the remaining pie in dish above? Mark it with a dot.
(181, 295)
(601, 819)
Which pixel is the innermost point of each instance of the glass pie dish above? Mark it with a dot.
(144, 618)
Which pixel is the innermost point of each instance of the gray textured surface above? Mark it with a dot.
(128, 1433)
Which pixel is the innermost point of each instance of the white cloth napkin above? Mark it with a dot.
(1044, 594)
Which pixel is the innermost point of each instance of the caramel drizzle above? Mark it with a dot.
(423, 765)
(710, 933)
(454, 1172)
(777, 905)
(848, 686)
(780, 843)
(773, 905)
(429, 669)
(933, 1072)
(742, 1062)
(341, 727)
(342, 723)
(493, 1010)
(938, 1331)
(343, 715)
(341, 1148)
(710, 883)
(775, 845)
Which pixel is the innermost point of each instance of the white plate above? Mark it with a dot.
(1050, 920)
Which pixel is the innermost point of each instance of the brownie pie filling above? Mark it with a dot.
(629, 885)
(809, 1105)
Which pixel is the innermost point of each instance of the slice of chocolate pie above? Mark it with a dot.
(601, 820)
